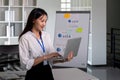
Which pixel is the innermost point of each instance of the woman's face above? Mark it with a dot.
(40, 23)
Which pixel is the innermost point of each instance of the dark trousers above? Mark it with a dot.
(39, 72)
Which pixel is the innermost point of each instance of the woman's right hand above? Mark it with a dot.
(51, 55)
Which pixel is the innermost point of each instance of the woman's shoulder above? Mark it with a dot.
(27, 35)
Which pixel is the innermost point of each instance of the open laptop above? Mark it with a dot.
(72, 45)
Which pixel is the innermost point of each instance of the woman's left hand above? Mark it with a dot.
(70, 56)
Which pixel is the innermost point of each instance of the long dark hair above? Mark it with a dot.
(34, 14)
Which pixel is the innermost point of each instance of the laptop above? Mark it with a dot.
(73, 45)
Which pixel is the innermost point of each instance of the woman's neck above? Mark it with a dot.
(36, 32)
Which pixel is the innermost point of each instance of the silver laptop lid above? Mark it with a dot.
(72, 45)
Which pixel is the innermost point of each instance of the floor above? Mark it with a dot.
(104, 73)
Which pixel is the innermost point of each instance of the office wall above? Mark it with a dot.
(113, 14)
(98, 55)
(51, 6)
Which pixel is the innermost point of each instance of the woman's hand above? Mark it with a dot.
(45, 57)
(70, 56)
(51, 55)
(55, 54)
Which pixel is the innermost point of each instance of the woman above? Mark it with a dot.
(35, 47)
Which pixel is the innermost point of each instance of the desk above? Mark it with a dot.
(72, 74)
(59, 74)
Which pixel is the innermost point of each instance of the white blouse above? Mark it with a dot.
(29, 48)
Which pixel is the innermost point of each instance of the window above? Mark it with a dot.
(72, 5)
(65, 5)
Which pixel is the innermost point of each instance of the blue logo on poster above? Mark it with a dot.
(58, 49)
(73, 21)
(69, 21)
(59, 35)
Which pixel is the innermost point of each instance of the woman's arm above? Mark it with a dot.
(45, 57)
(26, 61)
(38, 60)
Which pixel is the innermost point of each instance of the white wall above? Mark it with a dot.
(51, 6)
(98, 55)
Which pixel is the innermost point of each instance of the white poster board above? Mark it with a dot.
(72, 24)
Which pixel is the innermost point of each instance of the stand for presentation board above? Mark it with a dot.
(72, 24)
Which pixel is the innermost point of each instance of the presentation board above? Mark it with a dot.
(72, 24)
